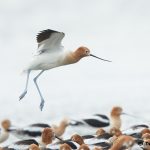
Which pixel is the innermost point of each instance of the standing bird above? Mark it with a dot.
(51, 54)
(92, 123)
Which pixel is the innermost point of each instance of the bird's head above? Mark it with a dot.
(115, 131)
(65, 147)
(6, 124)
(84, 52)
(84, 147)
(34, 147)
(78, 139)
(47, 136)
(100, 132)
(116, 111)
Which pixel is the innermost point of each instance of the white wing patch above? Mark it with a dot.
(49, 40)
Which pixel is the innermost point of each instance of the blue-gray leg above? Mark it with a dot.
(25, 90)
(42, 99)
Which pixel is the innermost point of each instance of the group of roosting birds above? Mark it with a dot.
(108, 135)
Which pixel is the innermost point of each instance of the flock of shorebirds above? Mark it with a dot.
(100, 131)
(108, 134)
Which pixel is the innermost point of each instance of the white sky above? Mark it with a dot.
(118, 30)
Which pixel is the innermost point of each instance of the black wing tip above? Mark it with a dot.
(45, 34)
(42, 125)
(27, 142)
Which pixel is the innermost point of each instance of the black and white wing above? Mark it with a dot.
(49, 40)
(21, 145)
(31, 131)
(95, 121)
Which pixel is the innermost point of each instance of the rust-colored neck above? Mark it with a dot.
(59, 130)
(116, 122)
(70, 58)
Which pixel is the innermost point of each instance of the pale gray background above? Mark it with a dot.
(118, 30)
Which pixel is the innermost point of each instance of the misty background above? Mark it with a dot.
(118, 30)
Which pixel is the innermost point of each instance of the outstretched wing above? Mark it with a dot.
(49, 40)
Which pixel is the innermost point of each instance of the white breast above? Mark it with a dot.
(3, 136)
(47, 60)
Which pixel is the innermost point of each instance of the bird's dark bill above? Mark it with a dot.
(99, 58)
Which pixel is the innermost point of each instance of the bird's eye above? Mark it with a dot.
(87, 51)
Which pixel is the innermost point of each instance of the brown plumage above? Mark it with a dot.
(115, 117)
(47, 136)
(34, 147)
(146, 136)
(115, 131)
(116, 111)
(64, 147)
(78, 139)
(100, 132)
(60, 129)
(123, 141)
(146, 130)
(84, 147)
(6, 124)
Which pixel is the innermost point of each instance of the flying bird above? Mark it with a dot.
(51, 54)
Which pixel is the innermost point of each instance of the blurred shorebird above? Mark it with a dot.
(51, 54)
(35, 130)
(92, 123)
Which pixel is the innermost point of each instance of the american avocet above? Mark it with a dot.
(140, 136)
(76, 141)
(102, 138)
(136, 130)
(56, 146)
(72, 142)
(21, 145)
(46, 138)
(89, 124)
(28, 132)
(99, 139)
(94, 142)
(35, 130)
(4, 134)
(60, 129)
(79, 140)
(115, 118)
(101, 133)
(92, 123)
(123, 142)
(51, 54)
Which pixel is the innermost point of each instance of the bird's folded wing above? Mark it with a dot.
(49, 40)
